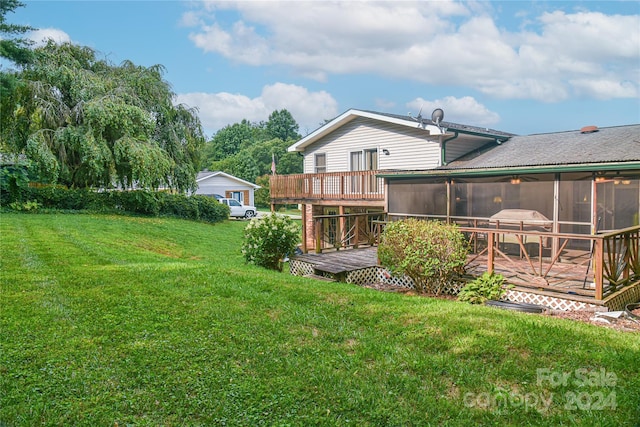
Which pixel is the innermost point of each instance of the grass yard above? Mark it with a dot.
(109, 320)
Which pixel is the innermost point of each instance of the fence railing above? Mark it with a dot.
(347, 230)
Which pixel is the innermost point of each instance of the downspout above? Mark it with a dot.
(443, 148)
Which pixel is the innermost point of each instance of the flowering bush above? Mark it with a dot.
(268, 240)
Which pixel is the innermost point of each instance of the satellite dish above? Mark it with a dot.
(437, 116)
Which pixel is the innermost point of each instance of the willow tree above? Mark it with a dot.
(85, 122)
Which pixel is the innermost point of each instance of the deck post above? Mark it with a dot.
(342, 227)
(490, 252)
(627, 255)
(356, 233)
(303, 212)
(318, 230)
(598, 259)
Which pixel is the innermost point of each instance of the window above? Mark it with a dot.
(356, 160)
(237, 195)
(364, 160)
(320, 163)
(370, 160)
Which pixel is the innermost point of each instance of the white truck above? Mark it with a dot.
(238, 210)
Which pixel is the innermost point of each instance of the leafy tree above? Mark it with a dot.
(15, 49)
(261, 195)
(281, 124)
(228, 140)
(246, 149)
(87, 123)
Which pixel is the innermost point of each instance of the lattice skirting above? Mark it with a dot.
(299, 268)
(370, 275)
(619, 300)
(405, 282)
(364, 276)
(554, 303)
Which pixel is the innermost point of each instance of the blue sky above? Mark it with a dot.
(517, 66)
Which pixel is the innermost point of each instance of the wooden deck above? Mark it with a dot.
(574, 276)
(339, 262)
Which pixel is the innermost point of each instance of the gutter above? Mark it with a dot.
(520, 170)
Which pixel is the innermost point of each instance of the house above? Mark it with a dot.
(342, 160)
(219, 183)
(554, 212)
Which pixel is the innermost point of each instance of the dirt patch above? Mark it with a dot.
(623, 323)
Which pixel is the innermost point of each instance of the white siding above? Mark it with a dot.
(459, 147)
(408, 148)
(221, 184)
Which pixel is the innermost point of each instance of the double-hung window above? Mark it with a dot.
(320, 161)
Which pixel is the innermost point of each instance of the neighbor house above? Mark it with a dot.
(212, 183)
(533, 207)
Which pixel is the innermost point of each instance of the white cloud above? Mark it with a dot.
(41, 36)
(458, 110)
(217, 110)
(551, 56)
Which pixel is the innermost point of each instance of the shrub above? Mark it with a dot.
(489, 286)
(141, 202)
(28, 206)
(268, 240)
(138, 201)
(179, 205)
(210, 210)
(14, 182)
(59, 197)
(430, 253)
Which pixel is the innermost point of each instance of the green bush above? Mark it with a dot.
(210, 210)
(270, 239)
(28, 206)
(489, 286)
(138, 201)
(14, 182)
(430, 253)
(141, 202)
(179, 205)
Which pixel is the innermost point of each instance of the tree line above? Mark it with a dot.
(78, 120)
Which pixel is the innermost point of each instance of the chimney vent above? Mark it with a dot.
(589, 129)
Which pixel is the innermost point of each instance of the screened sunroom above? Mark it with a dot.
(575, 202)
(552, 211)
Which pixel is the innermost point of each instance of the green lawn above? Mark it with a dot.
(147, 321)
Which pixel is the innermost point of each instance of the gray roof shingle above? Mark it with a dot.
(610, 144)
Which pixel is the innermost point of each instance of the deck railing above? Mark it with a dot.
(347, 231)
(544, 259)
(300, 188)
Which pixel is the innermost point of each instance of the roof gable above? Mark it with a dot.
(445, 128)
(205, 175)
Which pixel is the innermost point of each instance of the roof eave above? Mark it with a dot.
(518, 170)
